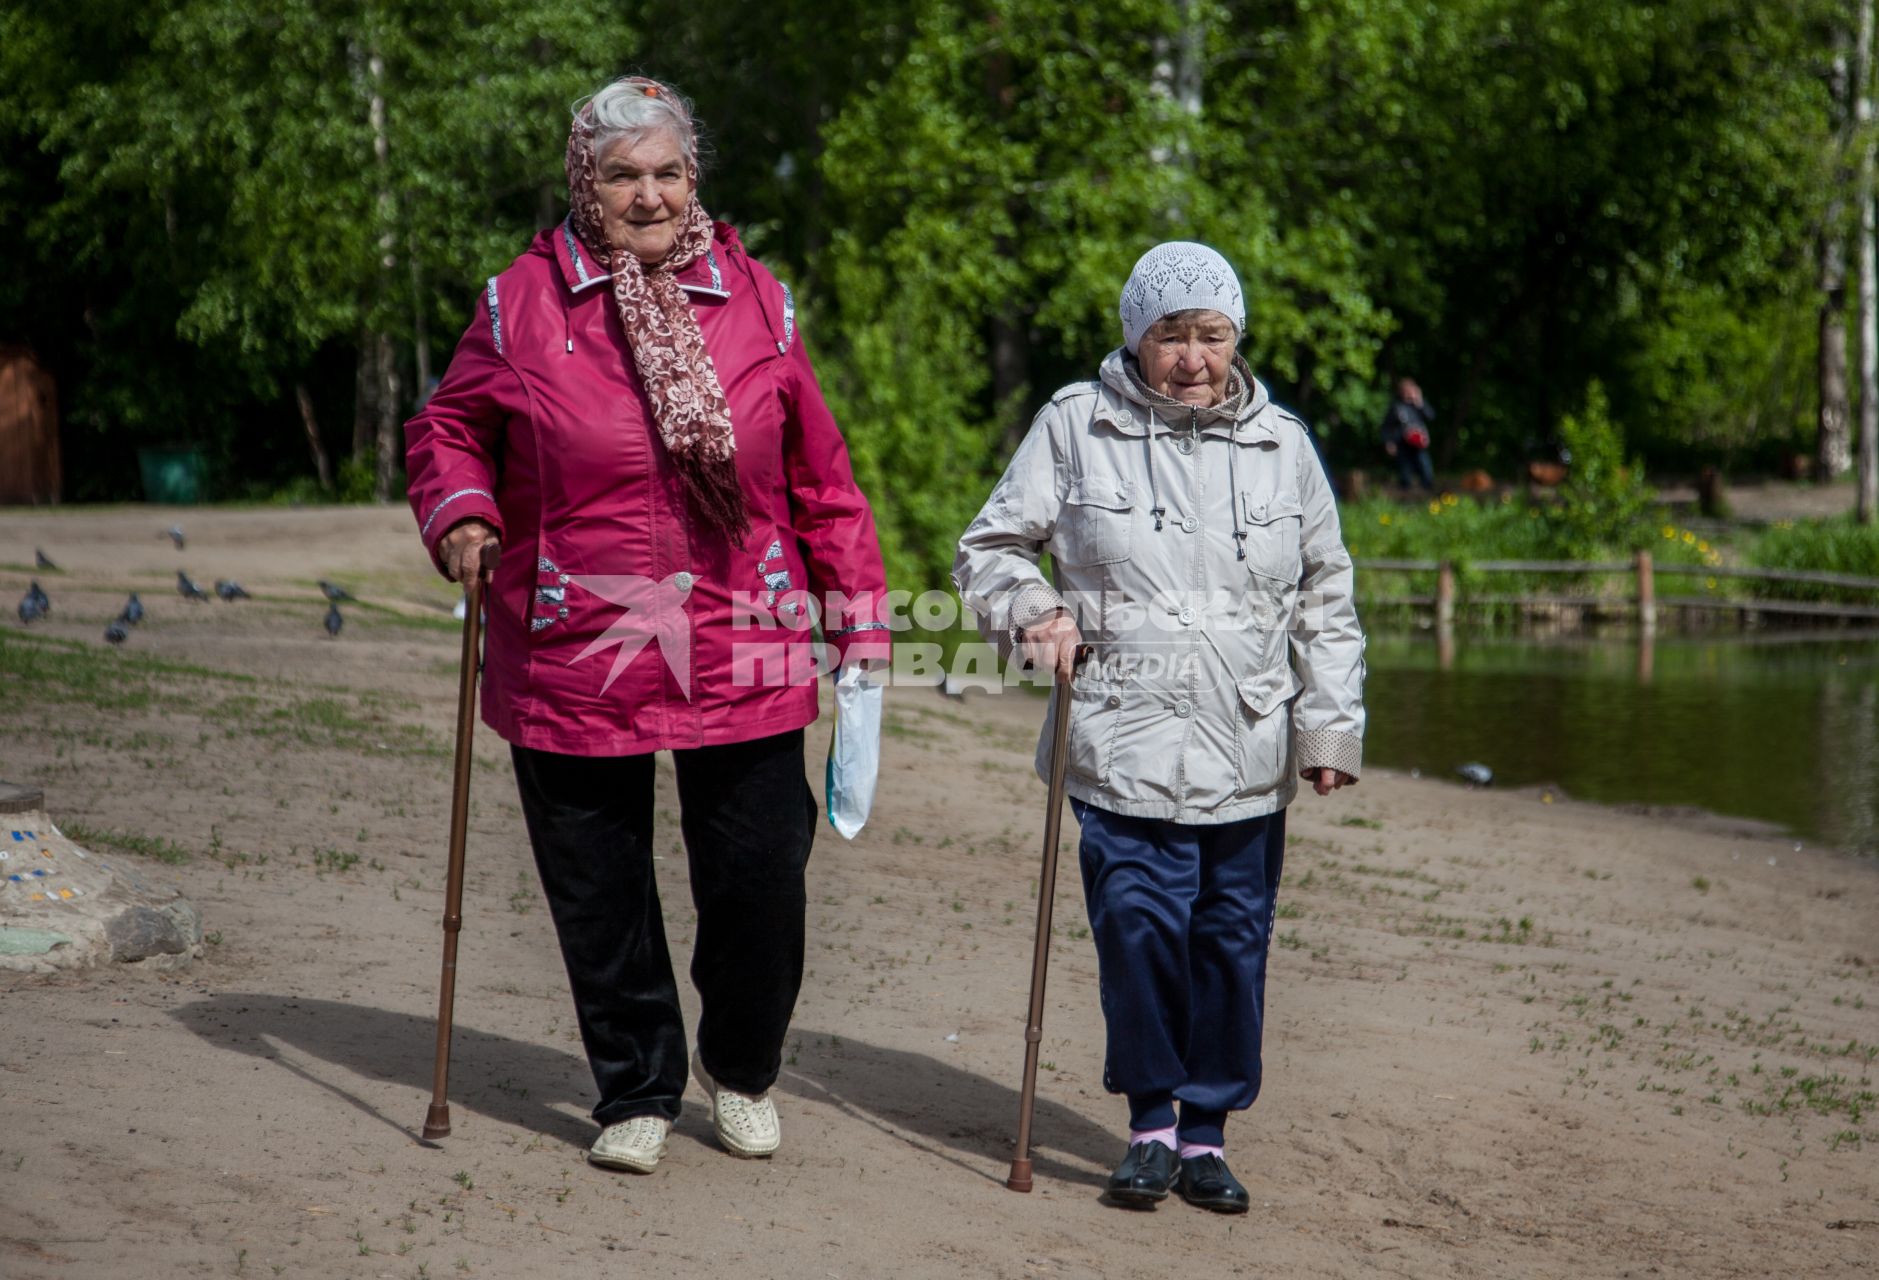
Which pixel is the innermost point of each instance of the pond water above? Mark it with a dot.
(1781, 729)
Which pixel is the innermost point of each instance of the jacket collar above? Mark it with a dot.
(705, 278)
(1122, 405)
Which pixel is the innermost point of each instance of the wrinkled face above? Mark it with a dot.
(1186, 356)
(644, 184)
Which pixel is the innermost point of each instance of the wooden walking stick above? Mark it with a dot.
(1020, 1178)
(437, 1120)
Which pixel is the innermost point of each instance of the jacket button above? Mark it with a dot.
(561, 612)
(1113, 701)
(1125, 417)
(1185, 445)
(1184, 708)
(1187, 617)
(564, 579)
(1190, 524)
(683, 581)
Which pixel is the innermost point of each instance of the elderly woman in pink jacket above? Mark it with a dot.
(632, 416)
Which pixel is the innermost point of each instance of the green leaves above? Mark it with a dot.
(1509, 199)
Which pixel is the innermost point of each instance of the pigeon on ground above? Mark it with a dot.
(229, 589)
(176, 535)
(39, 597)
(334, 592)
(43, 561)
(31, 610)
(133, 611)
(187, 589)
(333, 620)
(116, 633)
(1478, 775)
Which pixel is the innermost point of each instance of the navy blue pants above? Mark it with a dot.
(1414, 468)
(1182, 918)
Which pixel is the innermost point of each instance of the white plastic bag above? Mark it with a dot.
(854, 749)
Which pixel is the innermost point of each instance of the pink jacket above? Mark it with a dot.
(617, 625)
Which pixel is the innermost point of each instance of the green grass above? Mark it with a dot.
(330, 859)
(378, 613)
(53, 669)
(128, 842)
(1837, 546)
(1463, 530)
(339, 721)
(1824, 1095)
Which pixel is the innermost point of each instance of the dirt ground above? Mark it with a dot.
(1765, 501)
(1510, 1035)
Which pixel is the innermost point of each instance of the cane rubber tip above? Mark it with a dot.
(437, 1121)
(1020, 1179)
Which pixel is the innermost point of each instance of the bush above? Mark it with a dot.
(1604, 504)
(1836, 546)
(1464, 531)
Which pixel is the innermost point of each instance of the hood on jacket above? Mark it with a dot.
(1121, 390)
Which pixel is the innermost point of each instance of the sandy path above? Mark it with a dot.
(1509, 1037)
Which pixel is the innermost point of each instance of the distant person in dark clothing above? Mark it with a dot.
(1406, 435)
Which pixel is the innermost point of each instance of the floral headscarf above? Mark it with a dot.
(688, 403)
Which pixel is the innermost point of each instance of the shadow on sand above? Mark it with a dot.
(945, 1111)
(518, 1082)
(940, 1109)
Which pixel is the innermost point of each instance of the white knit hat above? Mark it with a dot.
(1179, 275)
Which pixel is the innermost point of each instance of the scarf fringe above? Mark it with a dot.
(715, 494)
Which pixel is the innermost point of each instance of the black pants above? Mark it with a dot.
(748, 818)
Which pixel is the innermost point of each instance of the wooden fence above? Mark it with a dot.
(1642, 600)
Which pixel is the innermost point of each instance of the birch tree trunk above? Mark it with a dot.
(321, 466)
(390, 426)
(1833, 442)
(420, 330)
(1178, 81)
(365, 398)
(1008, 331)
(389, 399)
(1868, 275)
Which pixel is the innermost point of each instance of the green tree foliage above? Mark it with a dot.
(263, 184)
(1509, 199)
(1605, 500)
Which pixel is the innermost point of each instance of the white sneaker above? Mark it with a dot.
(746, 1126)
(635, 1144)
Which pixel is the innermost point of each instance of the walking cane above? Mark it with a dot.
(437, 1120)
(1020, 1178)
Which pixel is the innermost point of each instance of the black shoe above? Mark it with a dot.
(1142, 1180)
(1207, 1183)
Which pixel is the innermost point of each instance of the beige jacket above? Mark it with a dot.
(1217, 676)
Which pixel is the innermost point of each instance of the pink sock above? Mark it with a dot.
(1164, 1136)
(1189, 1150)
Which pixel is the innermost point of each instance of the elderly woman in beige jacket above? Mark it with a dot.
(1196, 549)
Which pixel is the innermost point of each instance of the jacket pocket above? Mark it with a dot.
(1265, 738)
(1095, 713)
(1274, 524)
(1097, 522)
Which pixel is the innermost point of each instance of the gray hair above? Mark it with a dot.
(636, 105)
